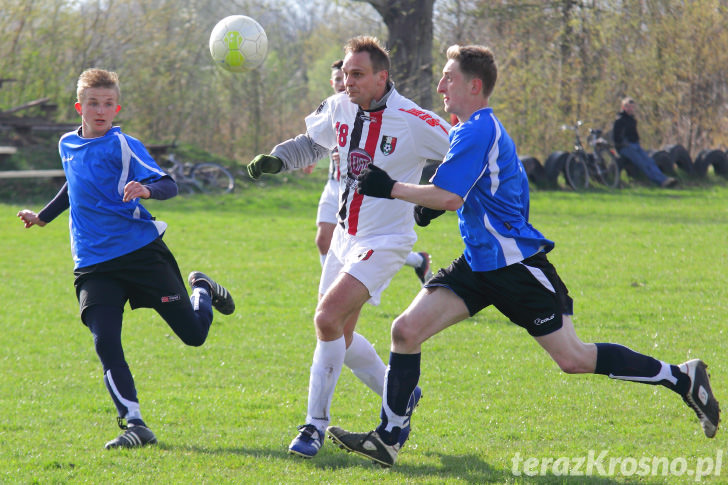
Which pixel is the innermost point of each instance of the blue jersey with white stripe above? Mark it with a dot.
(483, 168)
(103, 227)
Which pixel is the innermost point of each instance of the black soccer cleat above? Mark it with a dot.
(700, 397)
(221, 298)
(134, 436)
(369, 445)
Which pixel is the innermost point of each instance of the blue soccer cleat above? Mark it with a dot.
(411, 405)
(307, 443)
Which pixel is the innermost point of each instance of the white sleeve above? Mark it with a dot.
(431, 134)
(320, 127)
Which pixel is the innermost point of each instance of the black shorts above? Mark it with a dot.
(529, 293)
(148, 277)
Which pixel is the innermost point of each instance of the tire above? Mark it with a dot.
(632, 171)
(609, 168)
(554, 166)
(706, 158)
(723, 170)
(700, 166)
(577, 171)
(212, 178)
(720, 164)
(535, 171)
(664, 162)
(680, 157)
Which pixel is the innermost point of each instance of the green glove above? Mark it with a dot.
(264, 164)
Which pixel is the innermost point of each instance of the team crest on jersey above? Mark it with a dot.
(388, 144)
(358, 161)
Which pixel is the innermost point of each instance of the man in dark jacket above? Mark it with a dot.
(627, 141)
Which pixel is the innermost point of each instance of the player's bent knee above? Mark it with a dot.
(327, 326)
(404, 333)
(572, 365)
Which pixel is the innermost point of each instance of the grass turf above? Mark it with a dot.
(646, 268)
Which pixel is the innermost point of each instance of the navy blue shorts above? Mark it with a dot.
(148, 277)
(529, 293)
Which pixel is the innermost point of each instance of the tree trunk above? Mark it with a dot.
(410, 44)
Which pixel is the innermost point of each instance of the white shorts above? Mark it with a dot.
(328, 203)
(372, 260)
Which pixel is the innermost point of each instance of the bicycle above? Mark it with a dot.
(191, 178)
(600, 166)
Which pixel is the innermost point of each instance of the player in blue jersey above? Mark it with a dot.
(504, 264)
(117, 245)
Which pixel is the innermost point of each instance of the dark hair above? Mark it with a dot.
(365, 43)
(476, 61)
(337, 64)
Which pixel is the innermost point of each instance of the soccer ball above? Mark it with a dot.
(238, 43)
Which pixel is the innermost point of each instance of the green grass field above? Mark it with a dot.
(646, 268)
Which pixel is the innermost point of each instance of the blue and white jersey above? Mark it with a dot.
(103, 227)
(483, 168)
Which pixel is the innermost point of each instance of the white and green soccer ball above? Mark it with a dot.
(238, 43)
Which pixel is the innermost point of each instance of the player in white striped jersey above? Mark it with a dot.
(326, 215)
(371, 122)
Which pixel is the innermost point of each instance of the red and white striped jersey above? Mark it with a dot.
(398, 138)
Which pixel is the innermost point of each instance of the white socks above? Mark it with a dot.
(413, 259)
(365, 363)
(328, 359)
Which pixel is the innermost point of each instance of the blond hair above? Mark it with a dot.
(97, 78)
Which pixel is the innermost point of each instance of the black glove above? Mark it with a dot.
(375, 182)
(423, 215)
(264, 164)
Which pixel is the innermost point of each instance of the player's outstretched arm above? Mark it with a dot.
(375, 182)
(30, 218)
(264, 164)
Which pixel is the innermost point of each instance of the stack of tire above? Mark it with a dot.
(674, 157)
(670, 159)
